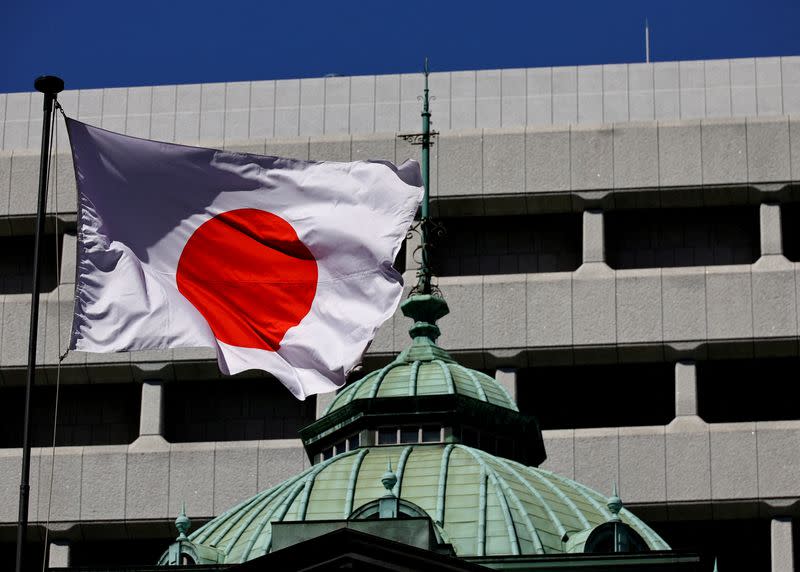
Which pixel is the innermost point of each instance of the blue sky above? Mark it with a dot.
(93, 43)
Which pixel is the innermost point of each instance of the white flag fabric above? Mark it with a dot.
(277, 264)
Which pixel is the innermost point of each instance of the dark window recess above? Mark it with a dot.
(507, 245)
(102, 414)
(34, 555)
(608, 395)
(233, 410)
(16, 264)
(108, 552)
(387, 436)
(400, 259)
(742, 544)
(790, 228)
(665, 238)
(730, 391)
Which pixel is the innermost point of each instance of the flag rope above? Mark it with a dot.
(54, 198)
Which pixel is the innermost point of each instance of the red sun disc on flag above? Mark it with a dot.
(249, 275)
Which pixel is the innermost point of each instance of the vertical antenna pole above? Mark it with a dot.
(646, 41)
(50, 86)
(424, 283)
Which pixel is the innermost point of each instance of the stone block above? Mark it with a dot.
(10, 464)
(5, 182)
(330, 148)
(151, 417)
(411, 86)
(597, 458)
(59, 554)
(140, 101)
(17, 114)
(635, 155)
(718, 88)
(724, 151)
(262, 109)
(642, 457)
(439, 84)
(488, 90)
(547, 159)
(730, 302)
(460, 164)
(641, 100)
(374, 147)
(539, 100)
(312, 106)
(564, 81)
(794, 145)
(460, 329)
(639, 312)
(235, 473)
(296, 148)
(512, 111)
(685, 388)
(790, 79)
(103, 483)
(504, 161)
(191, 478)
(16, 322)
(684, 303)
(693, 89)
(593, 236)
(590, 94)
(278, 460)
(778, 446)
(337, 105)
(770, 229)
(504, 314)
(560, 447)
(362, 104)
(783, 548)
(768, 150)
(212, 112)
(734, 461)
(463, 100)
(287, 108)
(147, 480)
(251, 146)
(507, 377)
(768, 86)
(592, 157)
(237, 111)
(187, 114)
(679, 153)
(666, 90)
(743, 87)
(24, 183)
(66, 470)
(774, 298)
(615, 93)
(387, 103)
(115, 105)
(162, 119)
(549, 308)
(594, 305)
(688, 460)
(90, 106)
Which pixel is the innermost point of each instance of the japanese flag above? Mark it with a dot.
(277, 264)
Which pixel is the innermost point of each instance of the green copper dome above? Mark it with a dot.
(482, 504)
(407, 376)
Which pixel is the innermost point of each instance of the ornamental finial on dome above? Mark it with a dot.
(182, 523)
(389, 479)
(614, 504)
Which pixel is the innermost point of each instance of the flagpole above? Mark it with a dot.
(424, 274)
(50, 86)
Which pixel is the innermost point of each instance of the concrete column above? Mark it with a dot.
(770, 223)
(507, 377)
(685, 388)
(59, 554)
(781, 544)
(151, 420)
(594, 249)
(323, 400)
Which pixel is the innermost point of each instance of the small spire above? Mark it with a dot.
(715, 564)
(182, 523)
(614, 504)
(389, 479)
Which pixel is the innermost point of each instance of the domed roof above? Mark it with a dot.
(482, 504)
(407, 376)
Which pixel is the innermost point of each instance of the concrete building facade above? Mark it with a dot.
(622, 253)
